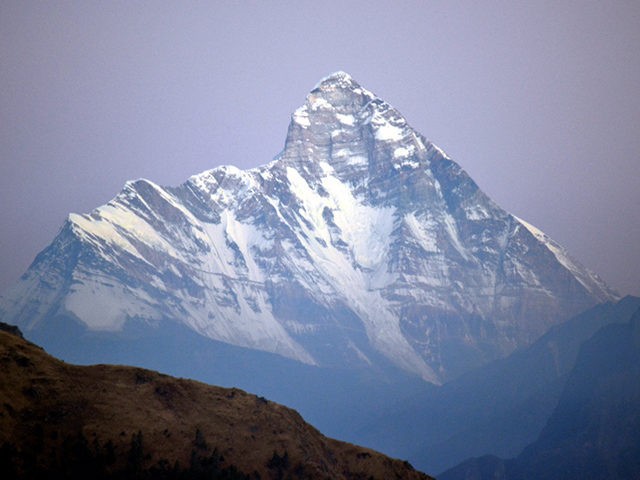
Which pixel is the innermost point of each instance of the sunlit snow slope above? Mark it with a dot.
(361, 241)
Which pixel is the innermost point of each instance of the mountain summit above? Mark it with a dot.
(361, 244)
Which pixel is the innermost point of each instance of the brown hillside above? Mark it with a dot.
(55, 416)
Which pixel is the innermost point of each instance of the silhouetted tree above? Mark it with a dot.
(279, 464)
(135, 457)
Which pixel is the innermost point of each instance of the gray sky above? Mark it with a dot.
(538, 100)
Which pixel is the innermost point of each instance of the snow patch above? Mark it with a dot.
(424, 231)
(366, 229)
(452, 230)
(389, 133)
(346, 119)
(357, 160)
(317, 102)
(406, 163)
(104, 304)
(301, 117)
(404, 152)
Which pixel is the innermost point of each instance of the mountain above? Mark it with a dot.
(64, 421)
(497, 409)
(361, 244)
(593, 432)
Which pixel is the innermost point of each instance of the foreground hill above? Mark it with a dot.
(64, 421)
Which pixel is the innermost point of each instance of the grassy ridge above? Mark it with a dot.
(125, 422)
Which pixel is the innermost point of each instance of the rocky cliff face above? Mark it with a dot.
(361, 242)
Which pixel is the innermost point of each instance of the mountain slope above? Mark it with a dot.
(593, 431)
(360, 240)
(52, 415)
(497, 409)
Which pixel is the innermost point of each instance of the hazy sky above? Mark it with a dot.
(538, 100)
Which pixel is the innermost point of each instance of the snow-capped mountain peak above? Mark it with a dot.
(361, 242)
(339, 121)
